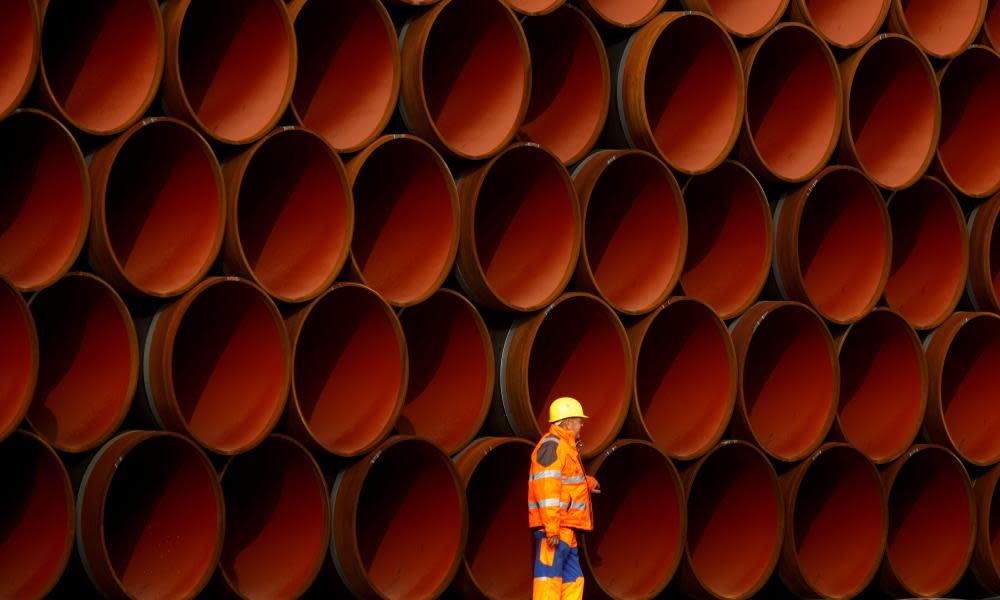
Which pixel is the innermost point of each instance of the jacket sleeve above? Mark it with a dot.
(546, 481)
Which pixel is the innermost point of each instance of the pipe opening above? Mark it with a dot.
(294, 215)
(793, 103)
(625, 13)
(451, 371)
(569, 84)
(930, 522)
(789, 386)
(969, 374)
(162, 205)
(88, 363)
(991, 26)
(970, 91)
(892, 112)
(277, 522)
(410, 494)
(46, 209)
(993, 528)
(405, 231)
(843, 245)
(475, 70)
(229, 365)
(943, 29)
(693, 101)
(883, 385)
(498, 543)
(18, 56)
(526, 230)
(929, 253)
(102, 60)
(161, 519)
(236, 64)
(579, 351)
(734, 523)
(641, 496)
(19, 367)
(348, 70)
(635, 232)
(685, 379)
(838, 522)
(729, 241)
(36, 517)
(534, 7)
(350, 373)
(846, 23)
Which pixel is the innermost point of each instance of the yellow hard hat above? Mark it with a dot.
(564, 408)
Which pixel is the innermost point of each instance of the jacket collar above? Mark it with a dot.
(564, 434)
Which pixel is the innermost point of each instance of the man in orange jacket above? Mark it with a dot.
(559, 503)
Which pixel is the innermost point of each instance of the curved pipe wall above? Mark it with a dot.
(216, 365)
(985, 565)
(21, 44)
(88, 363)
(641, 495)
(685, 378)
(143, 492)
(730, 239)
(289, 216)
(452, 371)
(941, 30)
(406, 490)
(742, 19)
(984, 256)
(576, 347)
(625, 15)
(19, 348)
(634, 229)
(350, 371)
(841, 23)
(158, 209)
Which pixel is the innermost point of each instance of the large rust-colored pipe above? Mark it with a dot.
(36, 517)
(930, 253)
(642, 495)
(623, 14)
(942, 30)
(277, 521)
(789, 379)
(970, 90)
(932, 523)
(101, 62)
(158, 209)
(290, 214)
(20, 42)
(46, 209)
(400, 521)
(230, 67)
(983, 283)
(794, 104)
(406, 218)
(350, 371)
(685, 378)
(19, 367)
(576, 347)
(835, 524)
(742, 19)
(892, 119)
(735, 523)
(452, 371)
(634, 229)
(963, 358)
(730, 239)
(841, 23)
(991, 25)
(216, 365)
(883, 385)
(520, 230)
(150, 517)
(678, 91)
(499, 553)
(985, 563)
(466, 77)
(833, 245)
(348, 73)
(570, 84)
(88, 363)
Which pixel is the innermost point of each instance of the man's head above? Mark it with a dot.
(574, 424)
(567, 413)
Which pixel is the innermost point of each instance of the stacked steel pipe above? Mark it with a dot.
(286, 289)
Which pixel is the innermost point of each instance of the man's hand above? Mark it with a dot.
(597, 487)
(553, 541)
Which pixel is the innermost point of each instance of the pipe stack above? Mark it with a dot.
(286, 289)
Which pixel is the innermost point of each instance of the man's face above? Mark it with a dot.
(574, 424)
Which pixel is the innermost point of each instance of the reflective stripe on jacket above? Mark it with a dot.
(558, 487)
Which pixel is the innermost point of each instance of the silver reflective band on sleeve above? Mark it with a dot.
(576, 479)
(545, 503)
(578, 506)
(544, 474)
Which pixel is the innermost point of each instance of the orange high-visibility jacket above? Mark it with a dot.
(558, 487)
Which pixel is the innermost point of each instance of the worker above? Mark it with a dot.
(559, 503)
